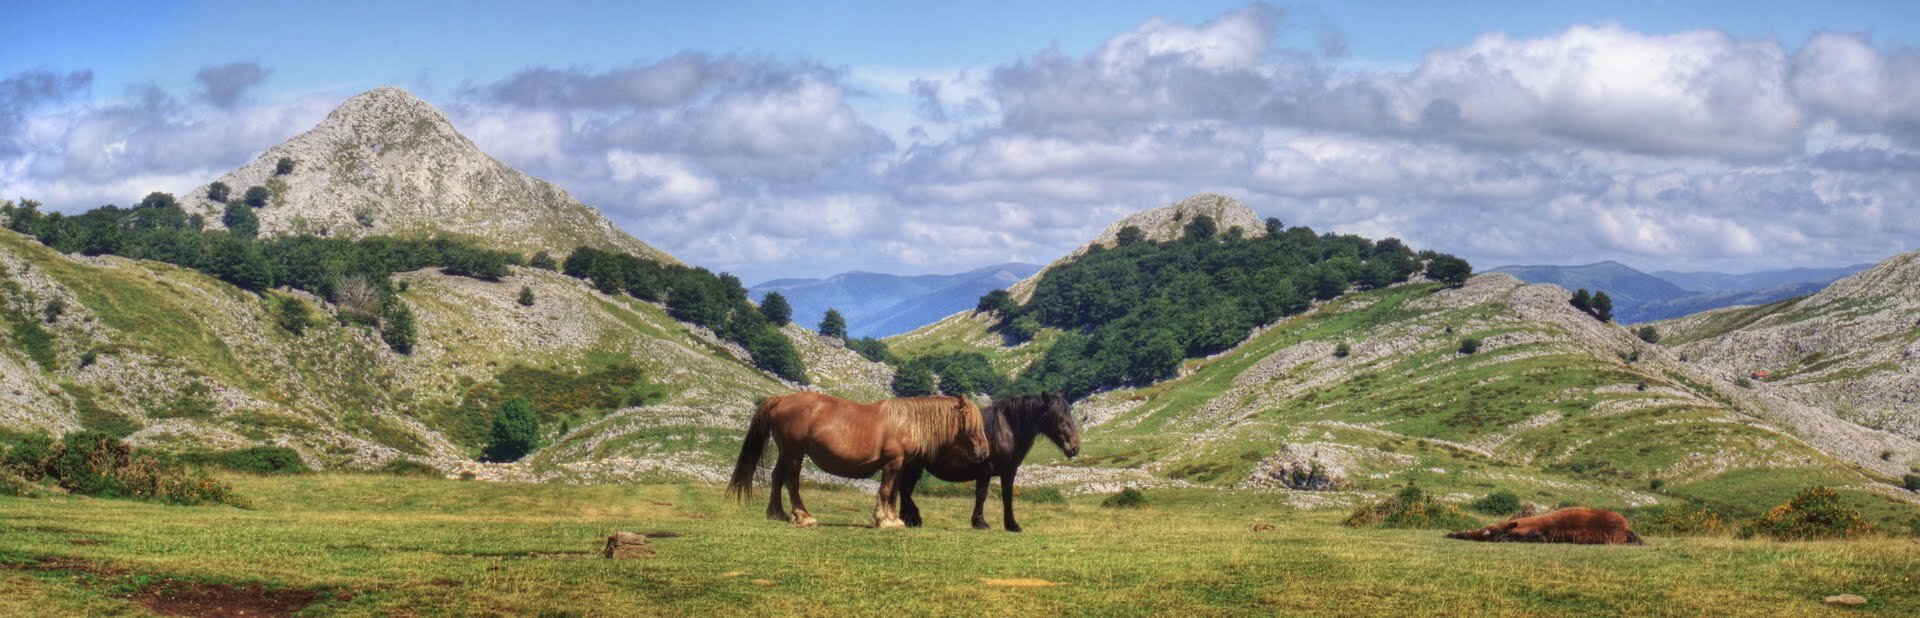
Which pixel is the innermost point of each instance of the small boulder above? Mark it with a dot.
(628, 546)
(1846, 600)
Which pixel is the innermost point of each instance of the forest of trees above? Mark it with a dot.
(356, 275)
(717, 302)
(1132, 312)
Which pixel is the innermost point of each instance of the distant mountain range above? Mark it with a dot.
(1643, 297)
(881, 305)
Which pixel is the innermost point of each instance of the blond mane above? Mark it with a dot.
(931, 423)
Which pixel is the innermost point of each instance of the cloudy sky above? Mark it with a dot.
(782, 139)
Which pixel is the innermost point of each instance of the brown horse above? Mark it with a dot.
(1569, 525)
(852, 440)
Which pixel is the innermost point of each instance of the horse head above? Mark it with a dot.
(973, 428)
(1059, 425)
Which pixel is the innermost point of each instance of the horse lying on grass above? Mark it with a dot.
(853, 440)
(1012, 424)
(1569, 525)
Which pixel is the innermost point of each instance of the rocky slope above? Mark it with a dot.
(1853, 349)
(386, 163)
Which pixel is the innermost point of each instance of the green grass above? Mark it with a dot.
(377, 545)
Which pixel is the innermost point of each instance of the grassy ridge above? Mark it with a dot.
(379, 546)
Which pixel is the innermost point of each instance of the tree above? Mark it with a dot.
(1202, 227)
(1602, 307)
(1448, 269)
(283, 167)
(1469, 345)
(292, 315)
(240, 220)
(515, 432)
(1342, 350)
(1274, 226)
(543, 261)
(1129, 235)
(833, 325)
(1648, 334)
(775, 307)
(913, 379)
(218, 191)
(997, 302)
(257, 196)
(398, 331)
(526, 296)
(1582, 301)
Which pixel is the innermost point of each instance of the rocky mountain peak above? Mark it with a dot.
(387, 163)
(1161, 225)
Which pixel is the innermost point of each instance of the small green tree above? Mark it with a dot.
(1911, 482)
(526, 296)
(1602, 307)
(775, 307)
(218, 191)
(240, 220)
(1342, 350)
(1450, 270)
(292, 314)
(1469, 345)
(257, 196)
(1648, 334)
(515, 432)
(398, 330)
(543, 261)
(1129, 235)
(283, 167)
(996, 302)
(1202, 227)
(833, 325)
(1582, 301)
(913, 379)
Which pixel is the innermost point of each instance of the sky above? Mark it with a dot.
(806, 139)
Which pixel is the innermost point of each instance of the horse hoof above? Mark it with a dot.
(889, 523)
(1013, 528)
(981, 525)
(805, 521)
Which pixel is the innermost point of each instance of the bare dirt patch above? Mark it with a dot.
(178, 598)
(1019, 582)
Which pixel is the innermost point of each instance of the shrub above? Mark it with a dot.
(913, 379)
(1128, 498)
(1817, 513)
(1342, 350)
(54, 309)
(526, 296)
(543, 261)
(257, 196)
(1412, 508)
(240, 220)
(997, 302)
(253, 460)
(1648, 334)
(1886, 455)
(283, 167)
(408, 467)
(12, 485)
(30, 457)
(1743, 382)
(1497, 503)
(292, 314)
(218, 191)
(1678, 520)
(1656, 484)
(1469, 345)
(1912, 482)
(515, 432)
(86, 462)
(397, 330)
(1043, 495)
(872, 349)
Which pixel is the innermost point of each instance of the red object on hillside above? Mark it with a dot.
(1762, 374)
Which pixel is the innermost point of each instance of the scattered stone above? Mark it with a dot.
(628, 546)
(1846, 600)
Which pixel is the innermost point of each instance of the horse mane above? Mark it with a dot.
(929, 423)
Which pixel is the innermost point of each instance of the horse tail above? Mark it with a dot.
(758, 431)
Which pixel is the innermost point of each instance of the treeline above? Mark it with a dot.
(355, 275)
(1131, 313)
(717, 302)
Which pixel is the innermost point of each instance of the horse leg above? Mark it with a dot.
(909, 512)
(883, 515)
(980, 503)
(1006, 502)
(775, 511)
(800, 515)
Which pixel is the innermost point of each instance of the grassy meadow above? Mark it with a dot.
(339, 544)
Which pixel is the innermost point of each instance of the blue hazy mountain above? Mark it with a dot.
(1644, 297)
(880, 305)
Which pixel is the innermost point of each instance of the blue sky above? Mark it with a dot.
(938, 137)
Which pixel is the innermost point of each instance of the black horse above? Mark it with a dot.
(1011, 424)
